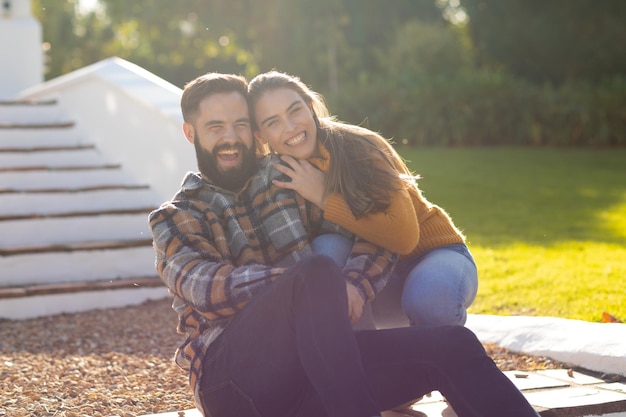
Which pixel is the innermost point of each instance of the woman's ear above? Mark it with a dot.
(260, 139)
(263, 148)
(189, 132)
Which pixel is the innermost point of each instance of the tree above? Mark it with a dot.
(71, 40)
(556, 40)
(325, 42)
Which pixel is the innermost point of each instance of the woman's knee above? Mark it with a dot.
(333, 245)
(438, 290)
(434, 303)
(423, 312)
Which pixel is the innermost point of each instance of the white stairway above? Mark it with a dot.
(73, 225)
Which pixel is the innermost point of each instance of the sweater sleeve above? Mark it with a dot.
(396, 229)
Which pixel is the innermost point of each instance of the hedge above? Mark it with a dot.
(489, 108)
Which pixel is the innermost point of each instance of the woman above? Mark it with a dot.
(362, 184)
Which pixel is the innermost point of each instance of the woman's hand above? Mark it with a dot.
(306, 180)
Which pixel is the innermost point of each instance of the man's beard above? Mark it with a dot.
(232, 179)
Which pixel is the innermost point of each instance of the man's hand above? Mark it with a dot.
(355, 303)
(306, 180)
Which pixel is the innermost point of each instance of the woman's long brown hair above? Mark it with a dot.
(364, 168)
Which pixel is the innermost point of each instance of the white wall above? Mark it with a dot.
(131, 115)
(21, 55)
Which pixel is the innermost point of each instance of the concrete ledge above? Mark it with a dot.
(599, 347)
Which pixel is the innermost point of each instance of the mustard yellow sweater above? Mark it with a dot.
(410, 226)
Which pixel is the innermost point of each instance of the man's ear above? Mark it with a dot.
(188, 130)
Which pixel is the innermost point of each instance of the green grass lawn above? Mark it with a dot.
(547, 226)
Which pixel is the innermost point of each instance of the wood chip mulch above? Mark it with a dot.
(115, 362)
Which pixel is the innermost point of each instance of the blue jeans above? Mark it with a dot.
(433, 289)
(291, 352)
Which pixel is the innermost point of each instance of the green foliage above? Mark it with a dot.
(492, 108)
(179, 40)
(424, 49)
(420, 55)
(546, 226)
(556, 40)
(322, 41)
(71, 40)
(396, 66)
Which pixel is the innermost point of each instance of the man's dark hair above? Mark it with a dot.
(212, 83)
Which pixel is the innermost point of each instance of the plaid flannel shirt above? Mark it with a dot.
(216, 249)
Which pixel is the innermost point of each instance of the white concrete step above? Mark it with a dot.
(24, 112)
(40, 180)
(46, 305)
(29, 138)
(65, 203)
(77, 266)
(52, 159)
(73, 230)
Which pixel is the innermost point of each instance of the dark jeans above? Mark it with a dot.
(292, 352)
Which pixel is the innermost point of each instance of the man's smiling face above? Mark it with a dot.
(223, 140)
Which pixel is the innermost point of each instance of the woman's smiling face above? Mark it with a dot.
(285, 122)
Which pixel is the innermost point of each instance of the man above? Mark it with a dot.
(220, 244)
(268, 323)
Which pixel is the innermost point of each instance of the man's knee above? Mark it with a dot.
(462, 340)
(318, 283)
(320, 270)
(319, 262)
